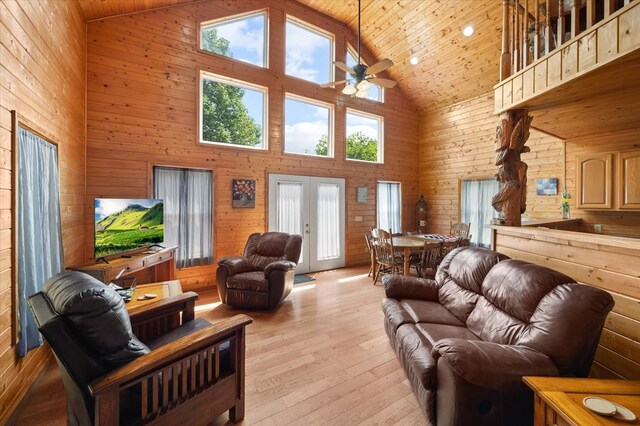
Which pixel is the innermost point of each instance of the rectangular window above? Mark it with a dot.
(309, 52)
(364, 137)
(232, 112)
(188, 206)
(242, 37)
(389, 206)
(376, 93)
(476, 209)
(38, 236)
(308, 127)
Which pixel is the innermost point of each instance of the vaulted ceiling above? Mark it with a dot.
(451, 67)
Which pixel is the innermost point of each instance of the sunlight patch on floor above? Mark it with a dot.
(302, 287)
(208, 307)
(353, 278)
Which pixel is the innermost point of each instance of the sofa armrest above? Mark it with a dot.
(401, 287)
(492, 365)
(281, 265)
(235, 264)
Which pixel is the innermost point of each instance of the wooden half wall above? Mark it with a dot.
(609, 263)
(458, 142)
(142, 94)
(42, 47)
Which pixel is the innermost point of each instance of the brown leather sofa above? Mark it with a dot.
(263, 276)
(466, 338)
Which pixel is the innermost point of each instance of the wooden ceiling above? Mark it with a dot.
(452, 67)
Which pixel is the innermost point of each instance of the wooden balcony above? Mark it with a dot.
(589, 84)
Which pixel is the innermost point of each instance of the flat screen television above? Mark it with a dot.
(123, 224)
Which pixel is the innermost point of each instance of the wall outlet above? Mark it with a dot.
(358, 218)
(597, 228)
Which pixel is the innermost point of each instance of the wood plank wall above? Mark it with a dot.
(142, 82)
(43, 78)
(606, 262)
(458, 142)
(624, 223)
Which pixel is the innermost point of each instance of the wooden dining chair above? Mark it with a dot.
(372, 255)
(447, 246)
(429, 257)
(385, 256)
(460, 230)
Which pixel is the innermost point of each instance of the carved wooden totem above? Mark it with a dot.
(511, 135)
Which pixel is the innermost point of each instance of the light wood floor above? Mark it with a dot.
(321, 358)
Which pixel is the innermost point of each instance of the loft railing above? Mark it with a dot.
(532, 29)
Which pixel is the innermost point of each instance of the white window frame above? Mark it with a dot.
(243, 85)
(399, 204)
(380, 119)
(312, 28)
(351, 51)
(234, 18)
(330, 130)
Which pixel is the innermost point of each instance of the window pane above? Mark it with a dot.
(476, 209)
(309, 53)
(389, 206)
(364, 140)
(328, 221)
(375, 92)
(238, 38)
(232, 113)
(307, 129)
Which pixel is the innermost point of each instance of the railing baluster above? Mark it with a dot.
(176, 380)
(560, 36)
(210, 356)
(217, 362)
(591, 13)
(505, 58)
(536, 35)
(516, 51)
(575, 18)
(144, 398)
(201, 368)
(185, 372)
(154, 394)
(525, 35)
(165, 387)
(547, 35)
(194, 363)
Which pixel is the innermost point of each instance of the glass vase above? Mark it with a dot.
(565, 211)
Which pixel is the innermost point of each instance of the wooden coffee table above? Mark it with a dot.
(558, 400)
(171, 308)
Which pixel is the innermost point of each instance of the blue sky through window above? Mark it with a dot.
(308, 53)
(246, 37)
(305, 123)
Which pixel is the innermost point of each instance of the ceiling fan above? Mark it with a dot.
(361, 76)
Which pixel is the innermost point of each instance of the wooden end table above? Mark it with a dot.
(171, 308)
(558, 400)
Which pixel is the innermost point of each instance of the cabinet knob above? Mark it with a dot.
(160, 258)
(128, 269)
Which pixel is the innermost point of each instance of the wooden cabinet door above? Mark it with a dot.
(628, 181)
(594, 181)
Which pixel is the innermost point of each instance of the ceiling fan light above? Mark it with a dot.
(363, 85)
(362, 94)
(349, 89)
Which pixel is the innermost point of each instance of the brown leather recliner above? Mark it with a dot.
(263, 276)
(466, 338)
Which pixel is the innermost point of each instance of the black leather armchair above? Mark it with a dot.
(263, 276)
(190, 375)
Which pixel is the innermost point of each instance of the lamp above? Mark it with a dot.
(349, 89)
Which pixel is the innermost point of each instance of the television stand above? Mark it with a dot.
(161, 265)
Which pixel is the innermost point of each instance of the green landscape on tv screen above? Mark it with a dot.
(126, 224)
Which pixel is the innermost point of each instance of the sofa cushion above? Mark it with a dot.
(437, 332)
(251, 281)
(460, 276)
(414, 351)
(493, 325)
(410, 311)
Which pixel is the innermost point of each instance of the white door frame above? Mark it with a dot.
(309, 218)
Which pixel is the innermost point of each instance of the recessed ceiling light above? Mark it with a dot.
(468, 30)
(414, 60)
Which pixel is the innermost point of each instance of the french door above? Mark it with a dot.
(314, 208)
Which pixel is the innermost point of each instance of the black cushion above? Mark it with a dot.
(98, 316)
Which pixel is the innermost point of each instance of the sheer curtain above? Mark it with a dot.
(328, 234)
(39, 228)
(389, 206)
(187, 195)
(476, 208)
(289, 212)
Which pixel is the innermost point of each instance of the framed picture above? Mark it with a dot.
(243, 193)
(547, 186)
(362, 194)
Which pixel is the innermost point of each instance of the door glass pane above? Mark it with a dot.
(328, 234)
(289, 208)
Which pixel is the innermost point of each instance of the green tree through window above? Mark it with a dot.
(359, 147)
(225, 117)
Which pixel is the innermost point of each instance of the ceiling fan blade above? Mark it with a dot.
(383, 82)
(344, 67)
(333, 83)
(379, 66)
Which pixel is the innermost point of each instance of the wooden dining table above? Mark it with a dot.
(408, 242)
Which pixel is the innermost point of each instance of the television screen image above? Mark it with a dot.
(126, 224)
